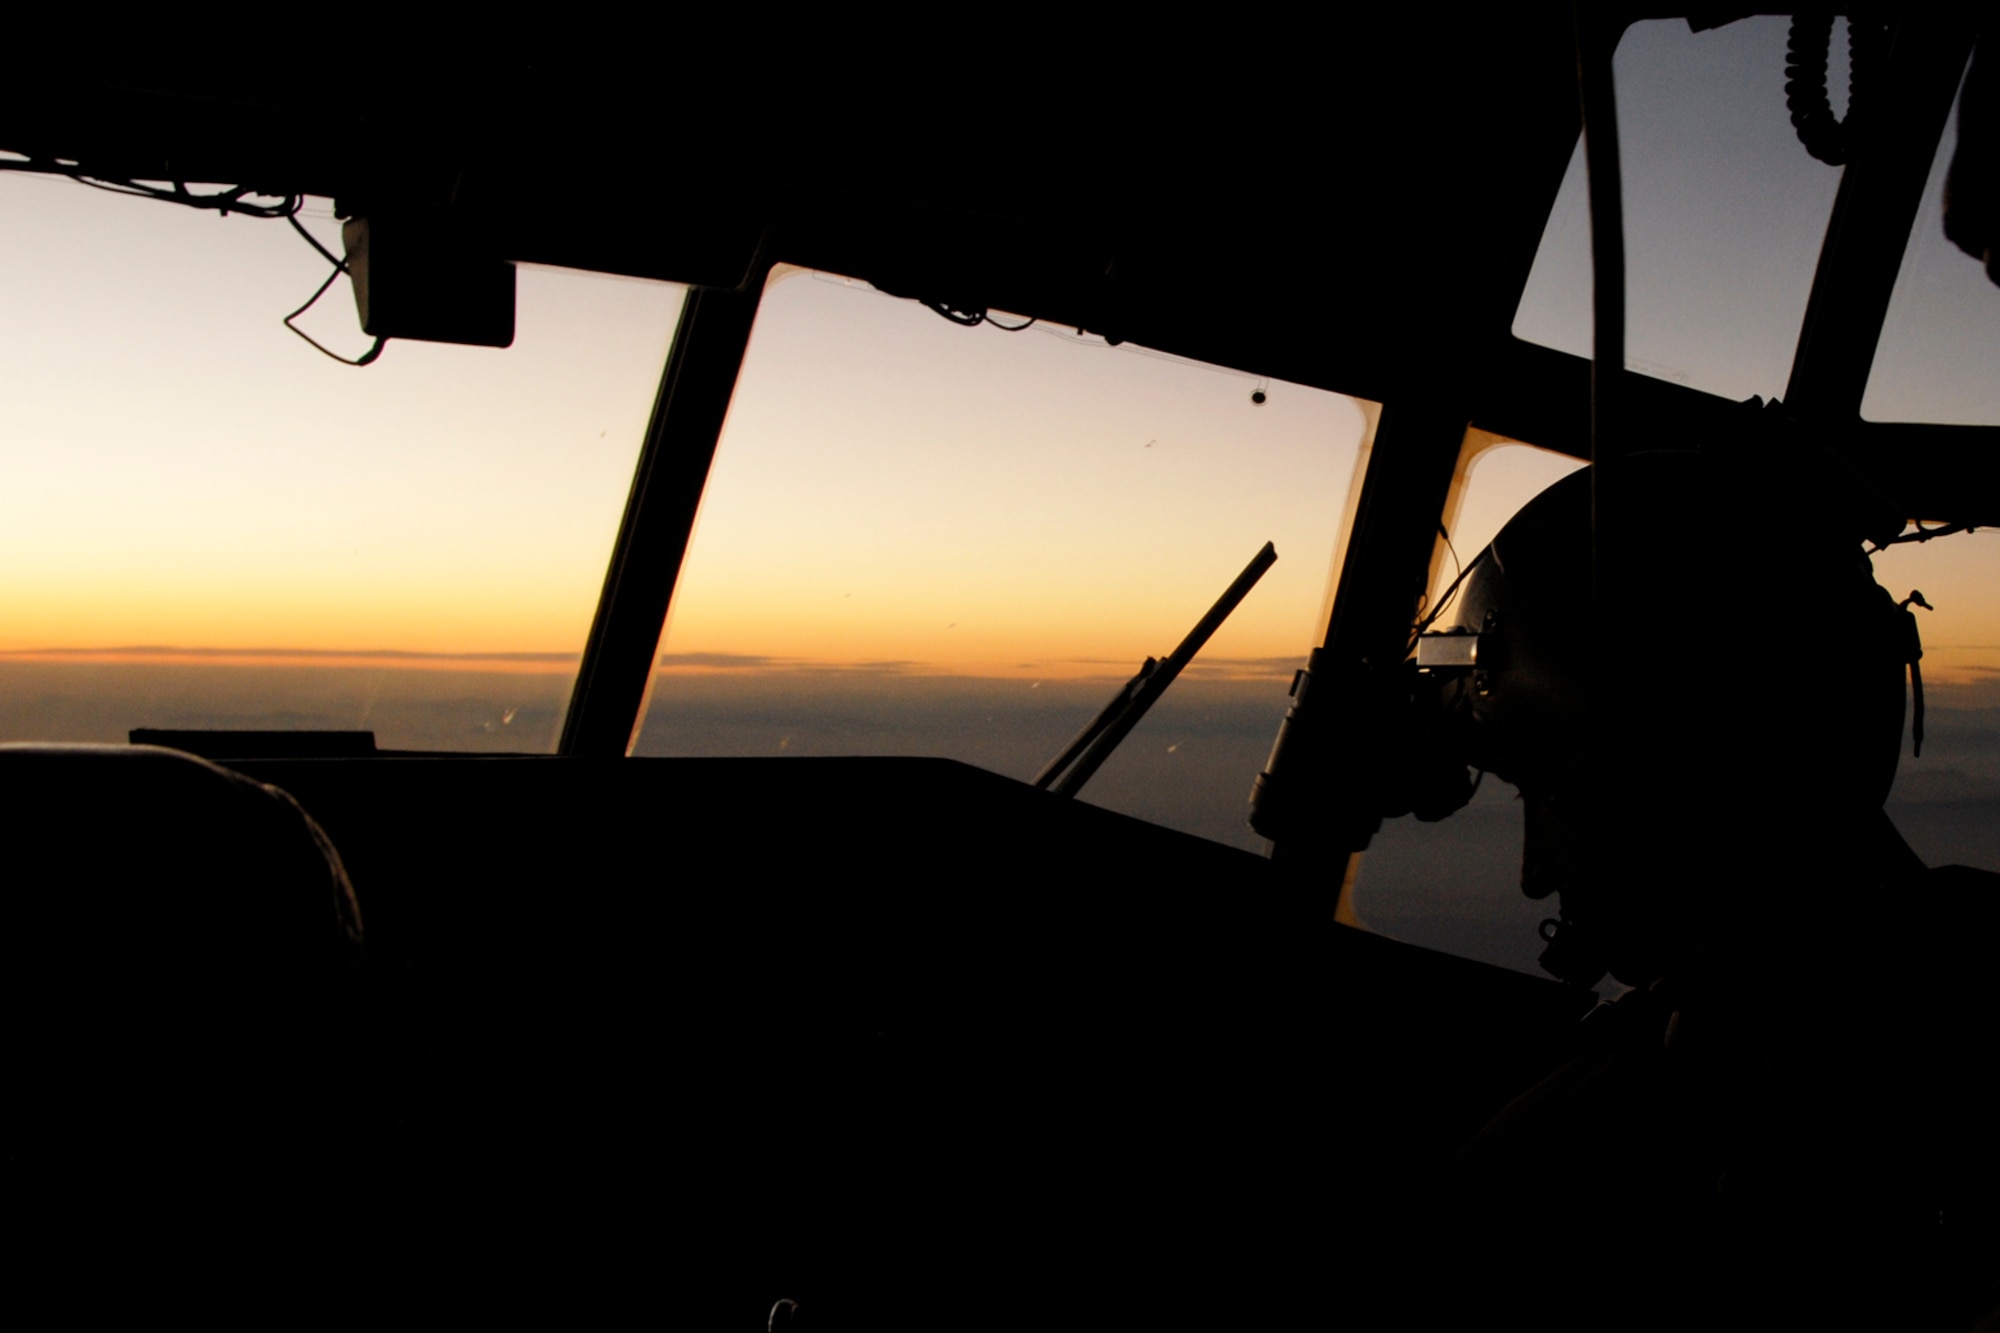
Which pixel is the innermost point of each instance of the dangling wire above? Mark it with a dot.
(339, 267)
(973, 317)
(313, 241)
(365, 358)
(1444, 601)
(1458, 570)
(1913, 653)
(240, 199)
(235, 199)
(970, 319)
(1458, 566)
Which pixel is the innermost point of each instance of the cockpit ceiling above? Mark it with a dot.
(1241, 196)
(1357, 213)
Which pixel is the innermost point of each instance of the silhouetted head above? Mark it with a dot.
(1695, 754)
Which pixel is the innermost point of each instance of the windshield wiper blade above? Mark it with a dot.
(1068, 771)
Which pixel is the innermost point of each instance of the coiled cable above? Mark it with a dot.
(1826, 137)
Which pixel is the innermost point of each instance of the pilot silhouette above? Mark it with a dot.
(1778, 1124)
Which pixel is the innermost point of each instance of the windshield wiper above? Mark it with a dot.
(1068, 771)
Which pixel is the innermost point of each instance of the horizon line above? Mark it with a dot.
(681, 663)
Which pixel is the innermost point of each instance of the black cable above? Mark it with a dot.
(1913, 652)
(135, 191)
(229, 200)
(365, 358)
(313, 241)
(975, 316)
(226, 202)
(970, 319)
(1458, 566)
(1444, 600)
(1807, 46)
(339, 267)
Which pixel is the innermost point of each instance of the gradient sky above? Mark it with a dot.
(892, 487)
(1939, 358)
(176, 468)
(1724, 214)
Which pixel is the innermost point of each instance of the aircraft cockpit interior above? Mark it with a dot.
(862, 679)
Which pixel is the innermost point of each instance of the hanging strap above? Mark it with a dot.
(1913, 654)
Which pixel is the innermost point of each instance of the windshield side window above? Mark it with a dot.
(1935, 360)
(1725, 212)
(1946, 801)
(1454, 885)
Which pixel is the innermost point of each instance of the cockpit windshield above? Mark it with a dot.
(924, 538)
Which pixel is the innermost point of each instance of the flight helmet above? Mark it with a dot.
(1736, 666)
